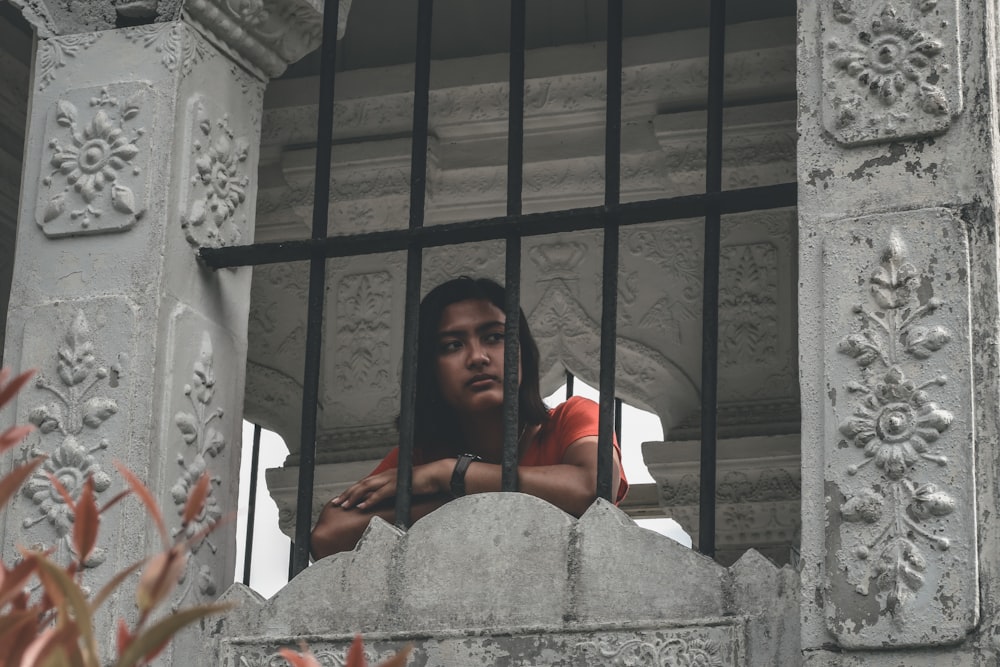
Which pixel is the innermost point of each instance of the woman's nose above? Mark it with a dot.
(478, 356)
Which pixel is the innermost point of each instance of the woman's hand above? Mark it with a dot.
(428, 479)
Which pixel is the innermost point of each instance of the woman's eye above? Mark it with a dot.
(450, 346)
(496, 337)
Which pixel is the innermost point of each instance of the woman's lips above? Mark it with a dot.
(482, 381)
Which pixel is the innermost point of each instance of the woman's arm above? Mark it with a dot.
(339, 529)
(570, 485)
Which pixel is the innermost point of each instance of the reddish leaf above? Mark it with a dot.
(147, 499)
(356, 655)
(85, 522)
(64, 590)
(196, 499)
(8, 389)
(398, 660)
(12, 581)
(112, 584)
(156, 636)
(14, 435)
(115, 500)
(160, 577)
(58, 486)
(296, 659)
(124, 637)
(12, 623)
(15, 478)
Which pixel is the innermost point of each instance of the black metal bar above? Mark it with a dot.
(512, 264)
(414, 262)
(291, 560)
(618, 420)
(609, 275)
(710, 302)
(317, 289)
(488, 229)
(252, 504)
(569, 384)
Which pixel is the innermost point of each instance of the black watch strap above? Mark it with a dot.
(458, 474)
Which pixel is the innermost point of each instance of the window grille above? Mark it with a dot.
(512, 227)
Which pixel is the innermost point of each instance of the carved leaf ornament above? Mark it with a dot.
(198, 432)
(896, 423)
(672, 652)
(74, 414)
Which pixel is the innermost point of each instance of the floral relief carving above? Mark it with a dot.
(180, 47)
(364, 307)
(54, 52)
(325, 657)
(896, 422)
(75, 414)
(206, 442)
(896, 69)
(748, 305)
(219, 183)
(670, 652)
(96, 165)
(678, 256)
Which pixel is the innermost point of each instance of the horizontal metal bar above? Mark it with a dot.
(488, 229)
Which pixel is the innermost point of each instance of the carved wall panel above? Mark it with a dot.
(200, 435)
(216, 178)
(891, 69)
(95, 170)
(180, 46)
(80, 392)
(53, 52)
(901, 525)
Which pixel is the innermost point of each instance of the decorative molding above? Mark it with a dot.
(748, 304)
(364, 332)
(98, 182)
(207, 442)
(766, 485)
(893, 70)
(216, 215)
(268, 35)
(674, 650)
(181, 47)
(325, 657)
(76, 414)
(53, 53)
(900, 510)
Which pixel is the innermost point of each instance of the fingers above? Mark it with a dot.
(367, 492)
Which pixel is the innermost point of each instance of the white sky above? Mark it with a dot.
(269, 569)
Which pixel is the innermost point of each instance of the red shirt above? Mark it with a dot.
(568, 422)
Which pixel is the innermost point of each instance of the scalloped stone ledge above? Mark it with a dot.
(510, 579)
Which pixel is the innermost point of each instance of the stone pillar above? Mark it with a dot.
(142, 147)
(898, 320)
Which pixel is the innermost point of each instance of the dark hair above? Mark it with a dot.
(435, 423)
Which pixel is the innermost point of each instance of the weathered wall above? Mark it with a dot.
(897, 332)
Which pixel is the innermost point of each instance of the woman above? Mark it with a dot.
(458, 432)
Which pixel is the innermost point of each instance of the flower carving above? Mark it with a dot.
(74, 412)
(197, 431)
(897, 423)
(220, 183)
(892, 56)
(90, 160)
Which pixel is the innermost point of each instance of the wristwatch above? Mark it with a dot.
(458, 474)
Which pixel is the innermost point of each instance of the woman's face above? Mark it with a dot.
(470, 348)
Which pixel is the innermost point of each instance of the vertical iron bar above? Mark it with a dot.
(609, 275)
(512, 265)
(710, 303)
(252, 504)
(414, 262)
(291, 560)
(618, 420)
(317, 284)
(569, 384)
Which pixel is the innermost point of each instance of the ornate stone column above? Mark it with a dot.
(142, 147)
(898, 321)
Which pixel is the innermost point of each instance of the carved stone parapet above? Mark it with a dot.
(758, 491)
